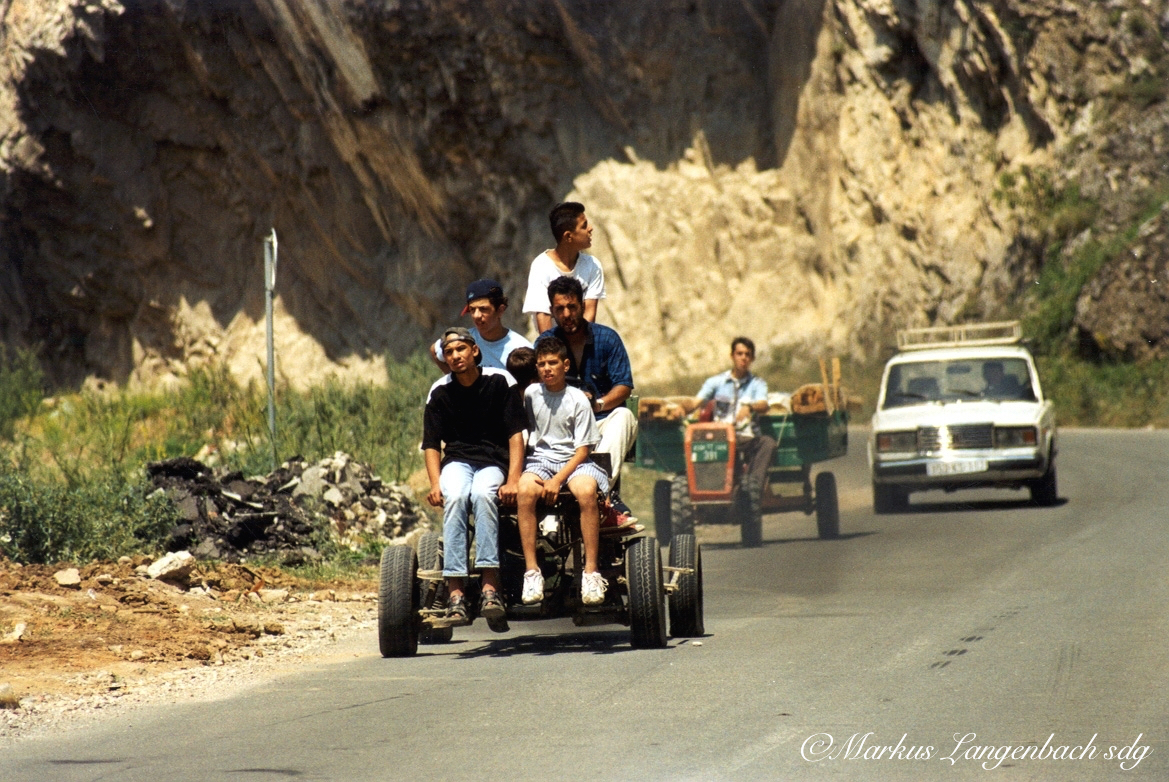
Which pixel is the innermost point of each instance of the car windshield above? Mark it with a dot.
(997, 379)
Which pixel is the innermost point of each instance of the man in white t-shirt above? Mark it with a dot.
(486, 304)
(572, 233)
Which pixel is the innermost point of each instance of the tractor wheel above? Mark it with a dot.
(827, 507)
(647, 605)
(681, 509)
(397, 603)
(662, 512)
(686, 602)
(430, 558)
(749, 517)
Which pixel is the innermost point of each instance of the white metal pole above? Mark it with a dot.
(270, 259)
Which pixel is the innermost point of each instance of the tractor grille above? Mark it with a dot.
(710, 452)
(933, 438)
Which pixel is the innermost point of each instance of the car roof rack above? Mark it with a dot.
(1007, 332)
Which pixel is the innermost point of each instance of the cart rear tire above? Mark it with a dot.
(662, 521)
(889, 499)
(647, 604)
(430, 558)
(749, 516)
(681, 509)
(827, 507)
(686, 601)
(397, 602)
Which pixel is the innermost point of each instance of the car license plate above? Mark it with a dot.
(935, 469)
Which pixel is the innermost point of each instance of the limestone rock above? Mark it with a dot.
(175, 567)
(69, 577)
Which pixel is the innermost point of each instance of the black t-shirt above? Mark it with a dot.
(474, 422)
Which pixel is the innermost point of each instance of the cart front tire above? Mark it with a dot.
(827, 507)
(430, 558)
(662, 520)
(397, 602)
(686, 601)
(647, 609)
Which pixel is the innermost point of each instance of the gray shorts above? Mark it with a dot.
(545, 470)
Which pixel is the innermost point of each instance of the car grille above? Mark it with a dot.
(937, 438)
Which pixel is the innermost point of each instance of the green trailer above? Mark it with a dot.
(705, 485)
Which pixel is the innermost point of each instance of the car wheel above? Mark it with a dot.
(1045, 491)
(827, 507)
(686, 601)
(397, 602)
(662, 501)
(747, 514)
(430, 558)
(889, 499)
(681, 509)
(647, 609)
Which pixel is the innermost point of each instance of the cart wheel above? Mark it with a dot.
(827, 506)
(647, 604)
(889, 499)
(681, 509)
(397, 603)
(747, 514)
(430, 558)
(686, 602)
(662, 512)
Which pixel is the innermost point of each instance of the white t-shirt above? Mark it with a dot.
(560, 422)
(494, 353)
(544, 270)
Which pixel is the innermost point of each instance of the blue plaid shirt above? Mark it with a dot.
(604, 362)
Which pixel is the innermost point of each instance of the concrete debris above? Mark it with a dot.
(69, 577)
(175, 568)
(293, 512)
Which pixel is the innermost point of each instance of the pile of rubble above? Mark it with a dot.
(293, 512)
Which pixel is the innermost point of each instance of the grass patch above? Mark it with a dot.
(72, 484)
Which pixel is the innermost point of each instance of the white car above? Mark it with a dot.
(961, 407)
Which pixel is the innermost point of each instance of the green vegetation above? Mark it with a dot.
(72, 484)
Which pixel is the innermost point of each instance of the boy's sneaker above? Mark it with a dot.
(592, 589)
(533, 588)
(491, 608)
(618, 505)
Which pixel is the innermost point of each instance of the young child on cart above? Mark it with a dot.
(563, 433)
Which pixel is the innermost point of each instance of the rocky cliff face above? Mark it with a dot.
(813, 173)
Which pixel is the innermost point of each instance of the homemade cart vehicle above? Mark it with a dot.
(707, 485)
(642, 592)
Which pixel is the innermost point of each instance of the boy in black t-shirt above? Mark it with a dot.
(472, 432)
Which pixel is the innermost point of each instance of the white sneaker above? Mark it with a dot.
(533, 587)
(592, 589)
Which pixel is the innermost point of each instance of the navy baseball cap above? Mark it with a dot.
(483, 289)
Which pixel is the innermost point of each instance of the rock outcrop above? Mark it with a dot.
(813, 173)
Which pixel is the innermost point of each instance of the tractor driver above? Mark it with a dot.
(737, 396)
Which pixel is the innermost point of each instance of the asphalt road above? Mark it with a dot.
(970, 624)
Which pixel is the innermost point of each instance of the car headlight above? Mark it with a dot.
(1015, 437)
(896, 441)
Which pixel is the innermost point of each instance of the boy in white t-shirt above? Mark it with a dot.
(563, 433)
(572, 233)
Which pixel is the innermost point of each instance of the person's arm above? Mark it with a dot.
(446, 370)
(543, 322)
(755, 401)
(612, 400)
(515, 467)
(433, 470)
(590, 310)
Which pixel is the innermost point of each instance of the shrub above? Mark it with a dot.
(22, 386)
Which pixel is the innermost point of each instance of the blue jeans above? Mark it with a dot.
(467, 490)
